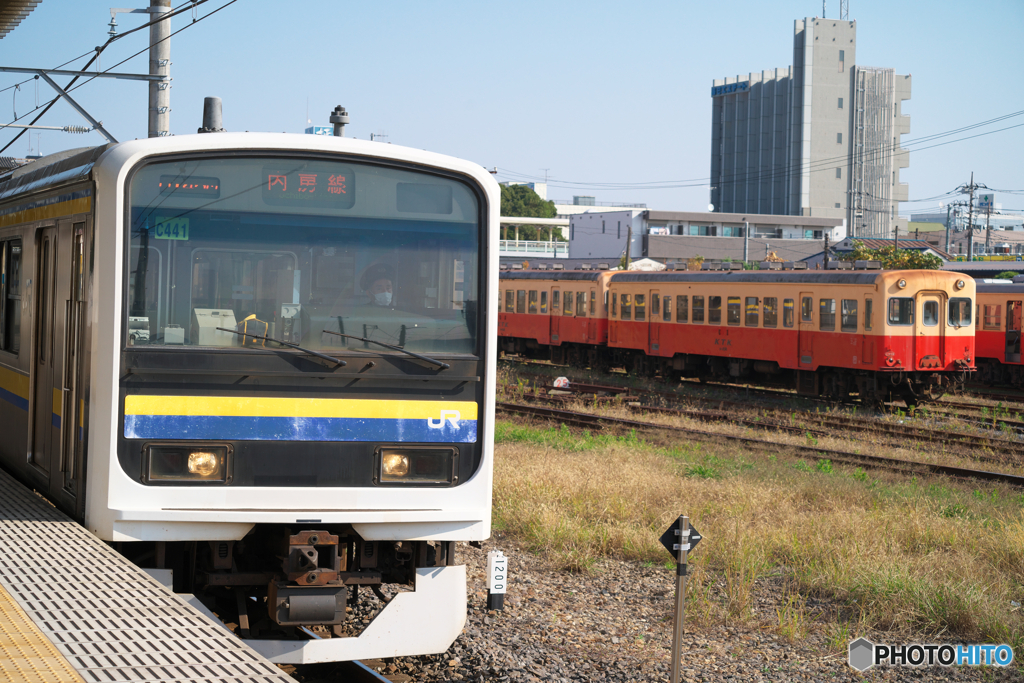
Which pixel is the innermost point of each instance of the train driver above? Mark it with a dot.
(377, 282)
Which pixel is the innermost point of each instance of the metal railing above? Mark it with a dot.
(556, 249)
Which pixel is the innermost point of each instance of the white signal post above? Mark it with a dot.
(497, 579)
(683, 549)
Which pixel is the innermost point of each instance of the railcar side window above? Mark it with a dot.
(848, 322)
(627, 308)
(993, 317)
(666, 309)
(639, 307)
(510, 301)
(593, 302)
(698, 309)
(867, 314)
(771, 311)
(959, 312)
(521, 301)
(581, 304)
(567, 303)
(532, 301)
(554, 300)
(655, 301)
(615, 305)
(787, 312)
(682, 309)
(543, 302)
(806, 309)
(930, 313)
(733, 310)
(11, 252)
(827, 314)
(750, 319)
(901, 311)
(715, 310)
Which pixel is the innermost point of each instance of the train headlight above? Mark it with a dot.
(417, 466)
(902, 284)
(186, 464)
(960, 284)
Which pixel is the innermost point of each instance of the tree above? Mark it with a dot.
(1007, 275)
(522, 201)
(894, 259)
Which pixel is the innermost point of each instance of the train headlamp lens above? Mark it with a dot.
(902, 284)
(960, 284)
(203, 463)
(181, 464)
(395, 465)
(418, 466)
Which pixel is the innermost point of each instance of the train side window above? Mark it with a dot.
(993, 317)
(521, 301)
(771, 311)
(593, 302)
(806, 309)
(615, 305)
(666, 309)
(930, 313)
(627, 308)
(788, 306)
(698, 309)
(848, 321)
(901, 311)
(714, 310)
(532, 306)
(750, 318)
(639, 307)
(827, 314)
(655, 303)
(510, 301)
(543, 302)
(581, 304)
(733, 310)
(959, 313)
(867, 315)
(682, 309)
(567, 304)
(12, 296)
(554, 300)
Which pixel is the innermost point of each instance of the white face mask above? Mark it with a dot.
(383, 298)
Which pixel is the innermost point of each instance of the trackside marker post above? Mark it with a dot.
(497, 579)
(679, 539)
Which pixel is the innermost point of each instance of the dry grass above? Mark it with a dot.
(922, 556)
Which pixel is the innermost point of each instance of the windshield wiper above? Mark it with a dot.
(443, 366)
(324, 357)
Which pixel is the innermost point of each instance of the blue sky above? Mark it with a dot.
(598, 93)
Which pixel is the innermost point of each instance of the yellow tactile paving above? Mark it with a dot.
(26, 655)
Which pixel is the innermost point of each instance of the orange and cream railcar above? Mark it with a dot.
(997, 332)
(881, 334)
(556, 315)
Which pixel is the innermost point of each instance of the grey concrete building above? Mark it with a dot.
(819, 138)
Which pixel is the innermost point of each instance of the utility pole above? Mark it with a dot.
(948, 209)
(746, 242)
(970, 222)
(159, 65)
(629, 243)
(826, 250)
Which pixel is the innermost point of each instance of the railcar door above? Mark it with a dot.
(653, 322)
(1013, 315)
(929, 331)
(806, 330)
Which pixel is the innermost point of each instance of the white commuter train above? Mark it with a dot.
(194, 364)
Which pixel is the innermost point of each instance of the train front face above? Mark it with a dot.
(303, 462)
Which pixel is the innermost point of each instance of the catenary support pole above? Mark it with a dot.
(159, 65)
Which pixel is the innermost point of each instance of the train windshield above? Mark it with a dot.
(297, 248)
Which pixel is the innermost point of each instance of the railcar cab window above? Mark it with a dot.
(715, 310)
(10, 296)
(615, 305)
(593, 302)
(827, 314)
(639, 306)
(532, 302)
(901, 311)
(567, 303)
(627, 308)
(682, 309)
(787, 312)
(543, 302)
(581, 304)
(521, 301)
(733, 310)
(960, 312)
(666, 309)
(867, 314)
(930, 313)
(848, 322)
(751, 307)
(305, 245)
(510, 302)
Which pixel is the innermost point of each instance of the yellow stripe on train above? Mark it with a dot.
(38, 213)
(294, 407)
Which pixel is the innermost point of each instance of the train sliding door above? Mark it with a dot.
(1013, 331)
(929, 329)
(59, 316)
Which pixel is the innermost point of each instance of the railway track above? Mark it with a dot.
(599, 422)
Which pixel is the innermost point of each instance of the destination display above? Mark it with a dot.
(190, 186)
(323, 185)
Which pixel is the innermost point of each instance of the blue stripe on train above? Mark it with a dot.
(14, 399)
(251, 428)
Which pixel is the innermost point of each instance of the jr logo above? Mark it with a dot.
(453, 416)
